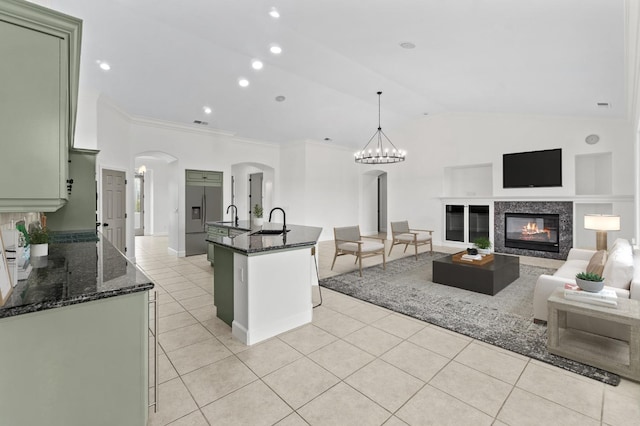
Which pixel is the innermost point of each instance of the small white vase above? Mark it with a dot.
(258, 221)
(484, 252)
(39, 250)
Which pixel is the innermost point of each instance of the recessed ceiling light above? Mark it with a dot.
(327, 139)
(275, 49)
(274, 13)
(407, 45)
(280, 98)
(243, 82)
(206, 109)
(604, 105)
(257, 64)
(104, 66)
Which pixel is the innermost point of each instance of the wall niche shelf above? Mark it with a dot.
(594, 174)
(475, 180)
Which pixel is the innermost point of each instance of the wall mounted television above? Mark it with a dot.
(534, 169)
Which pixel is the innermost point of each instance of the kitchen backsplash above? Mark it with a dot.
(6, 218)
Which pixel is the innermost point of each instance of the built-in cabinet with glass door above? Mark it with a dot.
(466, 222)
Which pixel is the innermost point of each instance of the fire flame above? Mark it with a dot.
(531, 228)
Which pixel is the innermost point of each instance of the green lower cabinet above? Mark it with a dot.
(78, 365)
(210, 253)
(223, 284)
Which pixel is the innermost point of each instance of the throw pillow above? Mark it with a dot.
(619, 244)
(618, 270)
(597, 262)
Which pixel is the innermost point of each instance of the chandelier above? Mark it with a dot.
(379, 155)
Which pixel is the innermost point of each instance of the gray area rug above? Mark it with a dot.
(504, 320)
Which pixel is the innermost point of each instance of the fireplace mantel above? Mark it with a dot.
(545, 198)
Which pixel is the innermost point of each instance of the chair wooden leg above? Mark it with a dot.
(360, 259)
(431, 245)
(334, 260)
(391, 248)
(405, 248)
(416, 247)
(384, 261)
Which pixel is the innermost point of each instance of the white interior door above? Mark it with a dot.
(113, 207)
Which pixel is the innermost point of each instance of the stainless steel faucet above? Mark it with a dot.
(284, 218)
(236, 213)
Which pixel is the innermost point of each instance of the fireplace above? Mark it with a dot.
(564, 210)
(532, 231)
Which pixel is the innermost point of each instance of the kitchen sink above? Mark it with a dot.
(269, 232)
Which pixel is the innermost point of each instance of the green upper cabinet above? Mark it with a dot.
(203, 178)
(40, 51)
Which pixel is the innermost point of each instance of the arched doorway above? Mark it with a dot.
(251, 184)
(156, 183)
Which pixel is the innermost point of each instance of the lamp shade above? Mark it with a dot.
(602, 222)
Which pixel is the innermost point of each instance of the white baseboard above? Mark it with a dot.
(176, 253)
(160, 234)
(239, 332)
(263, 332)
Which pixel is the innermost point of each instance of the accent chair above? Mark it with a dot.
(349, 241)
(402, 234)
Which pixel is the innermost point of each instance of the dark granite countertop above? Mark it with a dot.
(74, 273)
(297, 236)
(243, 225)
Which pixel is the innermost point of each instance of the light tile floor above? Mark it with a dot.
(355, 364)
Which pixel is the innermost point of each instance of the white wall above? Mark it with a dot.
(320, 186)
(293, 182)
(438, 142)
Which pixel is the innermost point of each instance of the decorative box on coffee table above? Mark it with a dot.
(487, 277)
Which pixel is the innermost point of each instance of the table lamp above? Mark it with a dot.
(601, 223)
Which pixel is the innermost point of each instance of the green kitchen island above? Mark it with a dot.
(262, 283)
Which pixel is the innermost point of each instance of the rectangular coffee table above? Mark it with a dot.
(486, 279)
(618, 356)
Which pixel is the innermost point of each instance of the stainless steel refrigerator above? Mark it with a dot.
(203, 204)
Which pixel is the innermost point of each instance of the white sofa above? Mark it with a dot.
(621, 273)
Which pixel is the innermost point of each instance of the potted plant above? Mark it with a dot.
(39, 241)
(257, 215)
(483, 245)
(589, 281)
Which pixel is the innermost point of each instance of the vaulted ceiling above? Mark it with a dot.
(171, 58)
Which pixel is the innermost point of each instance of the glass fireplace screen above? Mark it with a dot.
(532, 231)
